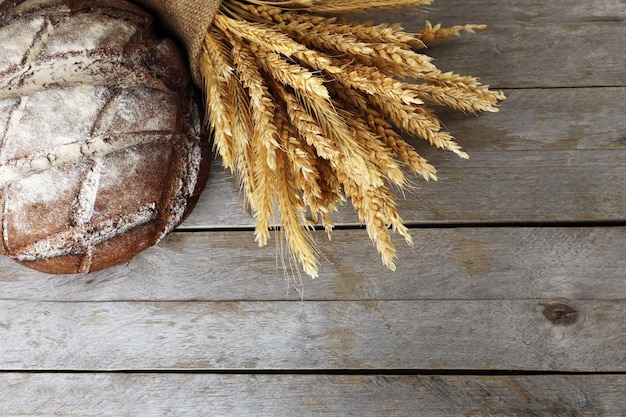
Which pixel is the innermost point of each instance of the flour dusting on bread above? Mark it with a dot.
(100, 153)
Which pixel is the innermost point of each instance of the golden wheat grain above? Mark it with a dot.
(313, 24)
(333, 130)
(376, 209)
(237, 109)
(252, 155)
(419, 121)
(261, 100)
(302, 158)
(301, 79)
(307, 126)
(405, 152)
(304, 108)
(339, 5)
(317, 61)
(373, 82)
(302, 138)
(460, 99)
(352, 154)
(331, 195)
(377, 151)
(291, 208)
(322, 127)
(451, 79)
(216, 74)
(270, 38)
(242, 128)
(332, 43)
(430, 34)
(391, 59)
(468, 84)
(377, 123)
(265, 192)
(334, 6)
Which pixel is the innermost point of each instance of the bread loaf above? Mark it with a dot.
(101, 150)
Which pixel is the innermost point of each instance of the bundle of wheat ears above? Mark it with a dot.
(307, 108)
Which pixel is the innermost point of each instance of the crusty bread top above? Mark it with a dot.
(99, 134)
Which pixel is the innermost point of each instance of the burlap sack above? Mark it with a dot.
(189, 20)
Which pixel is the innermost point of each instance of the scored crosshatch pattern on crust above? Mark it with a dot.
(85, 116)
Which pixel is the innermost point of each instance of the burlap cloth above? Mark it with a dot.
(189, 20)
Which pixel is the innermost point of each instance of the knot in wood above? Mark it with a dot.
(561, 314)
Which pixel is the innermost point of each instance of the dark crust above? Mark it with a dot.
(120, 9)
(158, 59)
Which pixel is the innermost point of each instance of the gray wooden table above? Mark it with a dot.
(511, 303)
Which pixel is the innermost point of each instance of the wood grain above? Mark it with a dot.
(445, 264)
(310, 395)
(537, 284)
(530, 45)
(554, 156)
(545, 119)
(491, 187)
(540, 335)
(511, 12)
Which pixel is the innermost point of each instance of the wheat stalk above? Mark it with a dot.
(430, 34)
(306, 107)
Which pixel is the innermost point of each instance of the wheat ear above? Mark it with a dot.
(307, 107)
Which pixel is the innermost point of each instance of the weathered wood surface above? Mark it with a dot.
(572, 335)
(548, 155)
(537, 139)
(534, 280)
(531, 44)
(486, 263)
(162, 395)
(491, 187)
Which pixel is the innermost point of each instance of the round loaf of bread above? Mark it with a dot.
(101, 148)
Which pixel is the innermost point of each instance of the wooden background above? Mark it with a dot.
(511, 303)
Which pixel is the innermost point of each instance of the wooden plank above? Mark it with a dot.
(530, 45)
(546, 54)
(514, 12)
(526, 164)
(572, 335)
(445, 264)
(309, 395)
(491, 187)
(545, 119)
